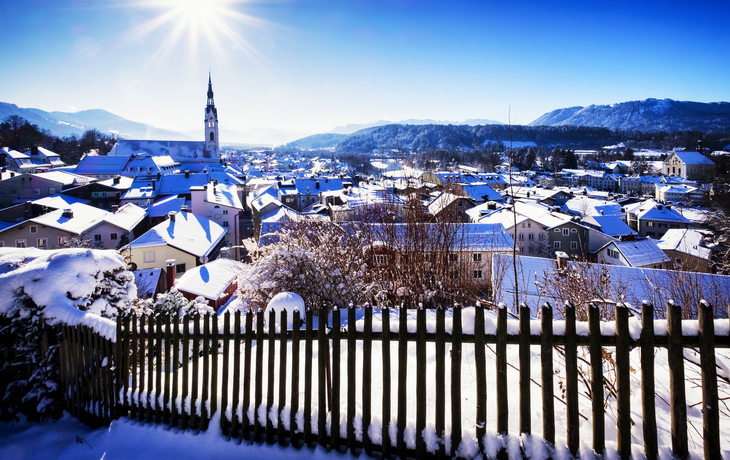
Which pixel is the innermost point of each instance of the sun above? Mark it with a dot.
(186, 26)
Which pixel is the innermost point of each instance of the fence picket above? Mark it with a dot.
(258, 392)
(214, 369)
(351, 384)
(367, 355)
(335, 406)
(651, 448)
(185, 372)
(402, 380)
(308, 351)
(271, 373)
(677, 398)
(501, 362)
(158, 367)
(420, 381)
(204, 416)
(440, 347)
(571, 381)
(481, 376)
(623, 382)
(322, 360)
(175, 368)
(524, 354)
(546, 368)
(280, 434)
(168, 362)
(456, 341)
(235, 396)
(224, 372)
(596, 352)
(294, 405)
(710, 402)
(195, 380)
(385, 344)
(248, 338)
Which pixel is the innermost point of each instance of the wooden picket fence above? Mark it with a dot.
(162, 370)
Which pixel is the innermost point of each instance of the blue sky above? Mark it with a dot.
(311, 65)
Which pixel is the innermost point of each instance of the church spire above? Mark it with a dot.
(211, 124)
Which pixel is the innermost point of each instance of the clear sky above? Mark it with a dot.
(311, 65)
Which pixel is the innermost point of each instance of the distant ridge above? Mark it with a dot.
(351, 128)
(63, 124)
(648, 115)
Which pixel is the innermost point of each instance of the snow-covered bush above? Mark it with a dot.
(285, 301)
(39, 290)
(322, 262)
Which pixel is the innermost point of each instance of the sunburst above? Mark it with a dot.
(215, 24)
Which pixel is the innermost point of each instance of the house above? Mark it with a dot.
(150, 282)
(612, 226)
(450, 207)
(300, 193)
(687, 249)
(189, 239)
(101, 166)
(221, 204)
(104, 194)
(689, 165)
(12, 160)
(43, 159)
(215, 281)
(150, 165)
(481, 192)
(16, 187)
(653, 219)
(103, 229)
(676, 194)
(639, 253)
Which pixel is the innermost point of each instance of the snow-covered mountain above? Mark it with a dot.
(351, 128)
(64, 124)
(648, 115)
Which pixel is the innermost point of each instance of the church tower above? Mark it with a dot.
(211, 125)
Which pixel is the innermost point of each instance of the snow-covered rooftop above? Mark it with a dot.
(210, 280)
(187, 232)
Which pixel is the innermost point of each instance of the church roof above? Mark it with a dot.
(180, 151)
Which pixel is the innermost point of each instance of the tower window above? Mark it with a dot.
(211, 136)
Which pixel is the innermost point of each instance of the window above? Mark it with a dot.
(113, 236)
(149, 256)
(51, 190)
(42, 243)
(225, 224)
(2, 192)
(179, 268)
(522, 237)
(380, 259)
(36, 191)
(573, 230)
(453, 258)
(13, 192)
(478, 275)
(97, 238)
(225, 212)
(573, 245)
(212, 138)
(531, 237)
(556, 244)
(34, 229)
(650, 224)
(477, 257)
(566, 231)
(650, 234)
(19, 243)
(531, 250)
(541, 236)
(62, 240)
(2, 244)
(557, 230)
(529, 225)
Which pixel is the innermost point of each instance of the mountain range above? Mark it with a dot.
(650, 115)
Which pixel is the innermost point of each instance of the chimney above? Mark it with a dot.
(3, 160)
(154, 185)
(184, 208)
(187, 174)
(316, 185)
(34, 150)
(117, 180)
(68, 213)
(659, 207)
(171, 215)
(601, 212)
(170, 273)
(115, 207)
(562, 259)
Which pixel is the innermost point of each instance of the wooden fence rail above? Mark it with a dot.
(268, 386)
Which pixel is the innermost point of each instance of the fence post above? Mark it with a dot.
(651, 449)
(175, 367)
(322, 360)
(297, 324)
(367, 355)
(441, 380)
(158, 375)
(524, 353)
(402, 379)
(259, 388)
(235, 396)
(456, 341)
(271, 373)
(185, 370)
(596, 352)
(481, 375)
(623, 382)
(501, 362)
(225, 370)
(280, 433)
(204, 415)
(168, 364)
(335, 407)
(546, 369)
(194, 395)
(571, 380)
(710, 403)
(351, 384)
(308, 351)
(677, 397)
(247, 342)
(420, 381)
(385, 314)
